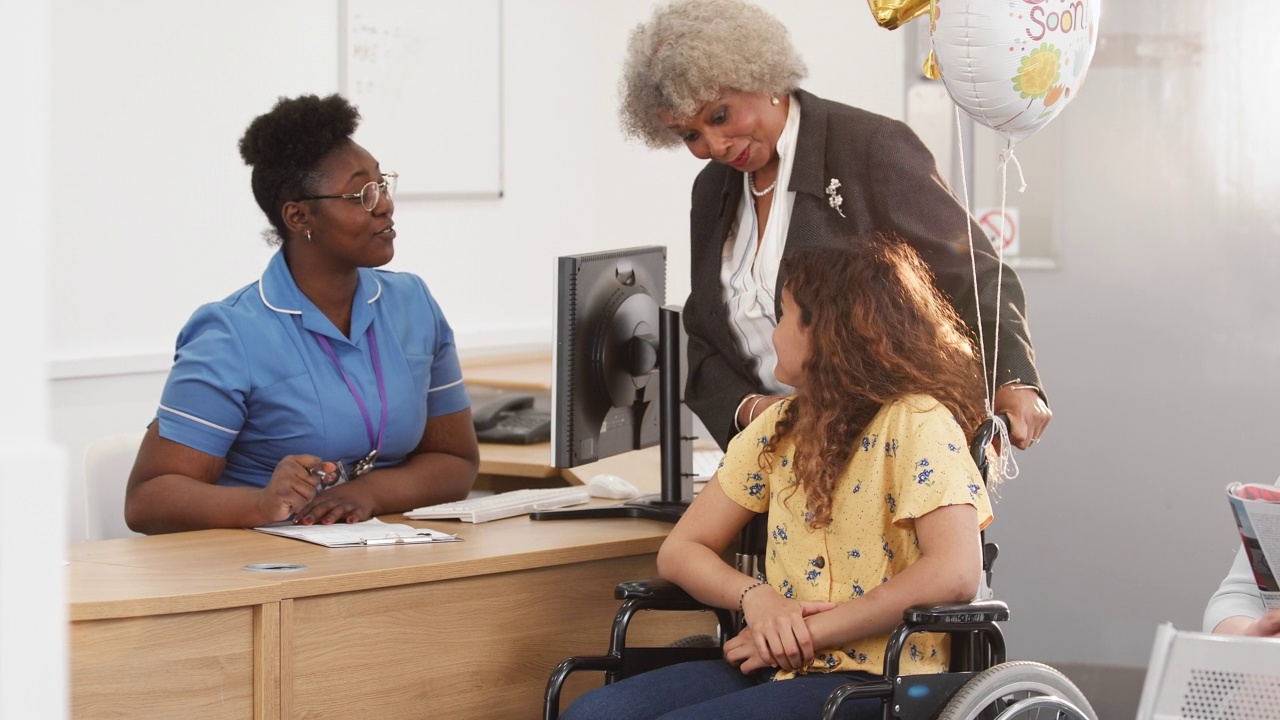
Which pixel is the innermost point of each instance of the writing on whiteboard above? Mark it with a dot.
(421, 71)
(382, 58)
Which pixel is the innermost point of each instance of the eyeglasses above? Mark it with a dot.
(369, 195)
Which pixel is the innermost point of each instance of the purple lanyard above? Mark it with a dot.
(382, 389)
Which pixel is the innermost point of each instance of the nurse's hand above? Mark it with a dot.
(349, 502)
(291, 487)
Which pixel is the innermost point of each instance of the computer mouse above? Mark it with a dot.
(611, 486)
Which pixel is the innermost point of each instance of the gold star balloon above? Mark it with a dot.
(893, 14)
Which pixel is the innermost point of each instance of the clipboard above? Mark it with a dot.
(370, 533)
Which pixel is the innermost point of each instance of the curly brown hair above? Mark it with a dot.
(879, 330)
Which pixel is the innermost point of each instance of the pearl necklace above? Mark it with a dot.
(751, 182)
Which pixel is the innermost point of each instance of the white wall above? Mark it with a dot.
(1157, 337)
(156, 216)
(33, 626)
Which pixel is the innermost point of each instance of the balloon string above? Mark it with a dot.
(988, 397)
(1008, 466)
(1005, 156)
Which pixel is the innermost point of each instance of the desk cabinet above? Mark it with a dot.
(188, 665)
(463, 630)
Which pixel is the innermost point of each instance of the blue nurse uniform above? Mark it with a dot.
(252, 383)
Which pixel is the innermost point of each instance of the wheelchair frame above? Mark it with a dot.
(977, 649)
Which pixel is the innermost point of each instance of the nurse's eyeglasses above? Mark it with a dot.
(369, 195)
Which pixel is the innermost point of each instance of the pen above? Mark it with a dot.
(402, 540)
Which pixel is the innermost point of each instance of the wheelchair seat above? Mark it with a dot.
(979, 683)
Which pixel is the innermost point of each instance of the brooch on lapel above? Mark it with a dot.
(833, 197)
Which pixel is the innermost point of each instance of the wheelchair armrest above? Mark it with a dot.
(551, 696)
(655, 590)
(978, 611)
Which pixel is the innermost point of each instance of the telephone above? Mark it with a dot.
(511, 419)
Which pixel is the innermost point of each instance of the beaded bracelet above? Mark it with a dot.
(743, 596)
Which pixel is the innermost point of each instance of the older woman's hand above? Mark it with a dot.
(291, 487)
(1027, 411)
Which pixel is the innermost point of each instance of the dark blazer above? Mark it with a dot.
(889, 183)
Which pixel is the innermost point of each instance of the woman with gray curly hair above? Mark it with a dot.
(786, 170)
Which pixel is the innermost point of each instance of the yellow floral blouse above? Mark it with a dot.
(913, 458)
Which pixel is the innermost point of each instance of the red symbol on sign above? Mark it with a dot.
(999, 227)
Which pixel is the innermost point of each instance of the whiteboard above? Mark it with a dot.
(427, 78)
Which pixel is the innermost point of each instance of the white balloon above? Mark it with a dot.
(1013, 65)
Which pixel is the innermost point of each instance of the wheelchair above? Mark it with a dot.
(980, 683)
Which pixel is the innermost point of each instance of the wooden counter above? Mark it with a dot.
(173, 626)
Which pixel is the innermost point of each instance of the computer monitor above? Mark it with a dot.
(616, 373)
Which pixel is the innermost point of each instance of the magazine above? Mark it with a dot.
(1257, 511)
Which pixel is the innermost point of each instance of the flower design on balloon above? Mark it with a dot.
(1038, 71)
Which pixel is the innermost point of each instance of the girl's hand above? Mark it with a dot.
(742, 653)
(778, 627)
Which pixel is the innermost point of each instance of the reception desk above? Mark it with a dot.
(176, 627)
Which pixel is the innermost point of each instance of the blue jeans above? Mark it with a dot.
(710, 689)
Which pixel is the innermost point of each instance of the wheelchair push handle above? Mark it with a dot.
(981, 439)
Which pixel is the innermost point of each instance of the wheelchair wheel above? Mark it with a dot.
(1022, 690)
(695, 641)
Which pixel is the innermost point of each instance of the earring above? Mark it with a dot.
(308, 236)
(775, 101)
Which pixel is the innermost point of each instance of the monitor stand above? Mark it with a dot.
(669, 506)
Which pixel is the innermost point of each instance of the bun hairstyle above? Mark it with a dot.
(285, 145)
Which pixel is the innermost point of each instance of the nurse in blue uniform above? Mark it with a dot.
(327, 391)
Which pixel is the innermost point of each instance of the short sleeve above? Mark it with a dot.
(203, 405)
(932, 466)
(446, 394)
(740, 475)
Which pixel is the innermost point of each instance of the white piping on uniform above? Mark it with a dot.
(179, 413)
(444, 387)
(263, 294)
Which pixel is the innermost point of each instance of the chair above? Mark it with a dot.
(1198, 676)
(107, 462)
(979, 683)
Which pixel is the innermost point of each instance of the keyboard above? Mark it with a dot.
(706, 462)
(524, 427)
(502, 505)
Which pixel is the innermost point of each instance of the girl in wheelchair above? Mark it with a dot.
(874, 503)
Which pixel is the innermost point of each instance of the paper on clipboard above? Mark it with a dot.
(371, 532)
